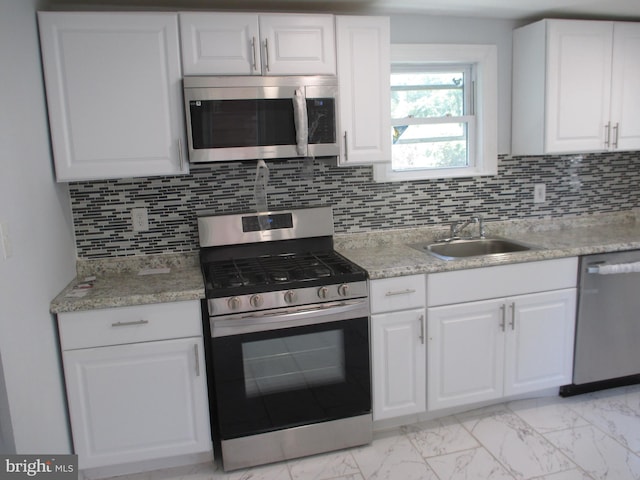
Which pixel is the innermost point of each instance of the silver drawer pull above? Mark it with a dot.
(400, 292)
(126, 324)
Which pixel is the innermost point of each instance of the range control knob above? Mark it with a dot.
(289, 296)
(323, 292)
(234, 303)
(256, 301)
(343, 290)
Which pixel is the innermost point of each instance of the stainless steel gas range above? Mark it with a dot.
(287, 331)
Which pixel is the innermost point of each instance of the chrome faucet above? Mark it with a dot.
(457, 227)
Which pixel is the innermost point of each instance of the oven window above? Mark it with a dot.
(291, 363)
(283, 378)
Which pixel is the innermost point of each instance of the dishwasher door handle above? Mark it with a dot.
(613, 269)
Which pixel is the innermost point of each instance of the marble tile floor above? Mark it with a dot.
(588, 437)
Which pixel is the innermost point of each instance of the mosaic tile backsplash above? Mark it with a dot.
(575, 185)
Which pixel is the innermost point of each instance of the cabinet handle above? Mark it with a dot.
(255, 57)
(127, 324)
(607, 135)
(616, 131)
(400, 292)
(503, 309)
(512, 323)
(421, 320)
(195, 352)
(180, 155)
(346, 147)
(266, 54)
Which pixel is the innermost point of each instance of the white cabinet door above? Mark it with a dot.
(220, 43)
(298, 44)
(578, 85)
(398, 353)
(489, 349)
(364, 69)
(250, 44)
(114, 94)
(625, 92)
(137, 402)
(465, 353)
(539, 341)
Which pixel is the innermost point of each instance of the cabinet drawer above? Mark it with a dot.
(141, 323)
(501, 281)
(398, 293)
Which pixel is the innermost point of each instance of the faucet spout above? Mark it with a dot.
(456, 227)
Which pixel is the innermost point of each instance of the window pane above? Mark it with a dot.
(427, 95)
(428, 132)
(430, 146)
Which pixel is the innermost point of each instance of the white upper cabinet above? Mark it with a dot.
(298, 44)
(114, 94)
(625, 87)
(249, 44)
(220, 43)
(575, 87)
(364, 69)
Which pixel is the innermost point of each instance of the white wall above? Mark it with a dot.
(37, 213)
(430, 29)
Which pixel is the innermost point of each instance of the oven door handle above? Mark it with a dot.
(300, 317)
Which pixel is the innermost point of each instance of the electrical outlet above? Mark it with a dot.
(539, 193)
(139, 219)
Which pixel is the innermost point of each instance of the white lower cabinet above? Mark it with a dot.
(398, 347)
(487, 349)
(466, 351)
(138, 401)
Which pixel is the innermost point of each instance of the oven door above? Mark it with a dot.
(291, 369)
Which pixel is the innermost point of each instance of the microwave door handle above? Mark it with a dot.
(300, 121)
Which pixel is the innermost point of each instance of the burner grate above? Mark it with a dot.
(277, 269)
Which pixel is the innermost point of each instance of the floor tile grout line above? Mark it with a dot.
(558, 450)
(602, 430)
(505, 467)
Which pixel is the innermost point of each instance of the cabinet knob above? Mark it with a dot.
(234, 303)
(289, 296)
(256, 301)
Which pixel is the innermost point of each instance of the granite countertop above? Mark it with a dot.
(116, 282)
(132, 281)
(388, 254)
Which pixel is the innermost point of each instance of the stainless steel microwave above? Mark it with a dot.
(244, 118)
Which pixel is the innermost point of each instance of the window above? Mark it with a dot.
(443, 112)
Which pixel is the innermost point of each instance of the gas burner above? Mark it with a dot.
(279, 276)
(296, 265)
(319, 271)
(234, 281)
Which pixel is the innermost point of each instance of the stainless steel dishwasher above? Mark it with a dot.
(607, 348)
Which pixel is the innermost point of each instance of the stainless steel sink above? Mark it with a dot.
(474, 247)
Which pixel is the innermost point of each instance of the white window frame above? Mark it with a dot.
(483, 149)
